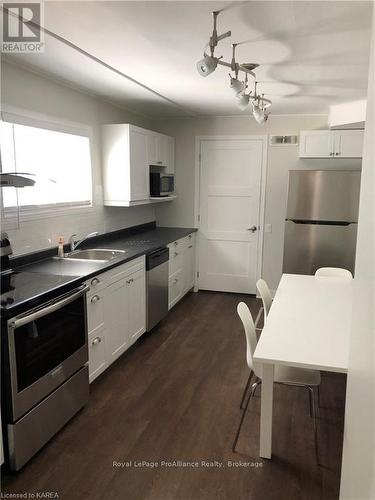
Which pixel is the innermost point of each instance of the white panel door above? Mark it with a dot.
(230, 186)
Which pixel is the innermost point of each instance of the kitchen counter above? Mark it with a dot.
(70, 273)
(135, 245)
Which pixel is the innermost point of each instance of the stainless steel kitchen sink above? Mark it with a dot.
(94, 255)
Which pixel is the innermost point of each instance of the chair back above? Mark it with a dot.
(251, 338)
(265, 295)
(334, 272)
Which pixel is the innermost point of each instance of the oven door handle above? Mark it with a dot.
(17, 322)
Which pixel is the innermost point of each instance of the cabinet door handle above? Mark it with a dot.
(330, 154)
(95, 281)
(130, 281)
(190, 246)
(94, 299)
(159, 162)
(252, 229)
(190, 236)
(175, 243)
(337, 154)
(96, 341)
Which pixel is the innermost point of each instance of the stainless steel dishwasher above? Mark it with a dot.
(157, 286)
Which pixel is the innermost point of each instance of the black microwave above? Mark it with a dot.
(161, 184)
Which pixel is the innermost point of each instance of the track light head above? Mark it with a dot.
(236, 85)
(242, 101)
(207, 65)
(259, 114)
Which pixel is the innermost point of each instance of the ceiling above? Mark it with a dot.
(312, 53)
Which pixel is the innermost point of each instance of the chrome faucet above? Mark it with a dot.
(73, 245)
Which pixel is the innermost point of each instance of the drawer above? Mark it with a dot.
(97, 353)
(95, 309)
(102, 280)
(175, 288)
(96, 284)
(186, 241)
(175, 259)
(124, 270)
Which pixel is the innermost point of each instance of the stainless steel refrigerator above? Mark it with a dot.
(321, 220)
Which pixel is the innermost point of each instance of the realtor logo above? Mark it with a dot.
(21, 32)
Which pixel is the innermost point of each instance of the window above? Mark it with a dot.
(60, 163)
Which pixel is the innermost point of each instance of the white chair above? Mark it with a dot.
(300, 377)
(266, 297)
(334, 272)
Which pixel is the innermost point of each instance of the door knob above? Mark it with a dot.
(252, 229)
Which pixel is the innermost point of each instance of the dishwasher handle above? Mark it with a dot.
(157, 257)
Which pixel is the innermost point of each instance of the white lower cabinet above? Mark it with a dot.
(116, 319)
(189, 264)
(116, 303)
(97, 353)
(175, 287)
(116, 313)
(136, 293)
(181, 268)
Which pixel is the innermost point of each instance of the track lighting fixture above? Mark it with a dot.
(209, 63)
(236, 85)
(258, 113)
(243, 101)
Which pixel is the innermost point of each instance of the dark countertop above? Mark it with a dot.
(75, 272)
(134, 245)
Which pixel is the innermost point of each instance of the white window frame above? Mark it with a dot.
(32, 119)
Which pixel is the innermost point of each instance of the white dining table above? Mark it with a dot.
(308, 326)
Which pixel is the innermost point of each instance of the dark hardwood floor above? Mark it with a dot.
(175, 396)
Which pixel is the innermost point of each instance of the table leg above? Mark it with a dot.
(266, 408)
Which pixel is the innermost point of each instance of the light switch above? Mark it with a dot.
(268, 228)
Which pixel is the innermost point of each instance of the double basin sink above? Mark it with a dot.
(94, 255)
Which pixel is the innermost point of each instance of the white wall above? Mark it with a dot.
(26, 90)
(280, 160)
(348, 114)
(358, 467)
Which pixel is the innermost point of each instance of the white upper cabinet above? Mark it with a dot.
(316, 144)
(331, 144)
(161, 151)
(128, 152)
(348, 143)
(125, 164)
